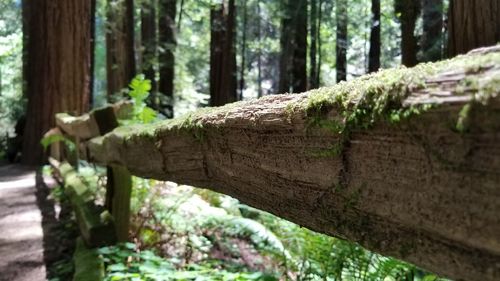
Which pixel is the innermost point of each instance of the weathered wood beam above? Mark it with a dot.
(86, 126)
(96, 225)
(405, 162)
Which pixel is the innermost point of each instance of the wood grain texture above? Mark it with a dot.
(418, 189)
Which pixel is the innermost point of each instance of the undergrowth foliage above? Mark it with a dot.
(186, 233)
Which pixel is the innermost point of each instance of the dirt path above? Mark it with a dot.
(21, 233)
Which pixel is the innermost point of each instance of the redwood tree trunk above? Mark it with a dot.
(259, 51)
(149, 46)
(120, 45)
(293, 70)
(243, 49)
(432, 37)
(93, 7)
(374, 54)
(408, 11)
(314, 31)
(168, 42)
(57, 68)
(341, 40)
(222, 54)
(299, 82)
(472, 24)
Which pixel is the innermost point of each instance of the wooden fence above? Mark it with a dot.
(405, 162)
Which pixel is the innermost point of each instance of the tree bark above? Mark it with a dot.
(120, 55)
(167, 42)
(93, 8)
(149, 47)
(432, 37)
(57, 68)
(223, 81)
(414, 188)
(374, 53)
(313, 35)
(342, 42)
(259, 51)
(243, 50)
(472, 24)
(293, 41)
(408, 12)
(320, 43)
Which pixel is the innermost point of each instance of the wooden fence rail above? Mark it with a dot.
(405, 162)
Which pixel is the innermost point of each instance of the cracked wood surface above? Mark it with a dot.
(418, 189)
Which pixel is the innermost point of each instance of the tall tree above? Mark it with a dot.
(374, 53)
(223, 80)
(341, 48)
(149, 45)
(57, 72)
(472, 24)
(259, 51)
(314, 34)
(93, 9)
(432, 36)
(319, 51)
(167, 43)
(120, 56)
(293, 41)
(243, 49)
(408, 12)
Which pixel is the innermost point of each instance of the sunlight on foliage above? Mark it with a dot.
(49, 140)
(187, 226)
(139, 92)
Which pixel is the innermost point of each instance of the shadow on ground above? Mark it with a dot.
(36, 233)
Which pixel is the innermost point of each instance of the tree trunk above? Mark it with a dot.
(313, 35)
(412, 188)
(120, 56)
(293, 69)
(299, 82)
(320, 53)
(223, 82)
(57, 68)
(408, 11)
(259, 51)
(472, 24)
(181, 11)
(167, 42)
(432, 37)
(243, 50)
(93, 10)
(286, 54)
(25, 56)
(342, 42)
(149, 47)
(374, 54)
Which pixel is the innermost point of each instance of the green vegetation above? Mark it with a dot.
(185, 233)
(139, 92)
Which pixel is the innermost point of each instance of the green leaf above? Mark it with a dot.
(47, 141)
(117, 267)
(140, 88)
(147, 115)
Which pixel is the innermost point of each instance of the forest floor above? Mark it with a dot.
(25, 222)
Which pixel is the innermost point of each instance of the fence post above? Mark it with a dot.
(119, 183)
(119, 187)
